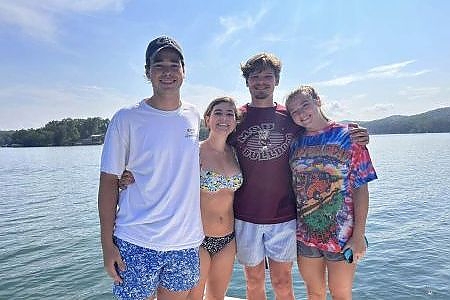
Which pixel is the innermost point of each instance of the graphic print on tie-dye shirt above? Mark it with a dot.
(325, 167)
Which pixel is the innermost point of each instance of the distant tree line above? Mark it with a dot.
(71, 131)
(66, 132)
(204, 131)
(5, 137)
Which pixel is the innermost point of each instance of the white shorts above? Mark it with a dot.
(255, 241)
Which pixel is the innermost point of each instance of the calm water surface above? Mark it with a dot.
(49, 231)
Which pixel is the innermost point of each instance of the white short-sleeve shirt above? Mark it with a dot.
(161, 210)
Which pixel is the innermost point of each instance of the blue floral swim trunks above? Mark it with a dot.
(147, 269)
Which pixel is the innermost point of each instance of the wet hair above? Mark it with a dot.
(259, 62)
(219, 100)
(305, 90)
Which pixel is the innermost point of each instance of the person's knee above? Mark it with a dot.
(282, 285)
(282, 288)
(214, 293)
(315, 288)
(316, 293)
(340, 293)
(195, 294)
(214, 297)
(255, 278)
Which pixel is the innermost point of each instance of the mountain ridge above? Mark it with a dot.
(432, 121)
(82, 131)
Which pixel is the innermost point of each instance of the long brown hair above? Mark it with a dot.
(224, 99)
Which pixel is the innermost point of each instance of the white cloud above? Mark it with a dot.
(358, 97)
(378, 111)
(35, 106)
(392, 68)
(202, 95)
(234, 24)
(40, 19)
(425, 93)
(345, 110)
(32, 22)
(355, 107)
(379, 72)
(89, 5)
(321, 66)
(418, 73)
(337, 43)
(334, 109)
(340, 81)
(380, 108)
(273, 38)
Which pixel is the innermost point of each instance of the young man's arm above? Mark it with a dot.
(359, 135)
(360, 209)
(108, 195)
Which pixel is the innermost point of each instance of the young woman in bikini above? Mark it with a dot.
(220, 177)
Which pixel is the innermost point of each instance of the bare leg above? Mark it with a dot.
(281, 278)
(313, 274)
(220, 272)
(255, 282)
(164, 294)
(205, 260)
(340, 279)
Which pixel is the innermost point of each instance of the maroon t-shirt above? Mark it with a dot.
(262, 141)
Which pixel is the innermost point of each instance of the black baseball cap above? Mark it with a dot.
(160, 43)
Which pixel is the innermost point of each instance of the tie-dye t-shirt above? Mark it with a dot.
(325, 167)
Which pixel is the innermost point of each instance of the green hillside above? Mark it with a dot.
(69, 132)
(437, 120)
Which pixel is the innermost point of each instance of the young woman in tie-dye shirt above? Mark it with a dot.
(329, 177)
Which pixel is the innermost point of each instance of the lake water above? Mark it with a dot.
(49, 230)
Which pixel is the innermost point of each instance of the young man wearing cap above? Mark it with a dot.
(151, 231)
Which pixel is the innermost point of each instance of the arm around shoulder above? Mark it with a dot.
(108, 194)
(360, 209)
(359, 135)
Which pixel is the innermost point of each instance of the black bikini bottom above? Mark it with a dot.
(215, 244)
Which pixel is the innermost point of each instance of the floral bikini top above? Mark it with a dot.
(213, 182)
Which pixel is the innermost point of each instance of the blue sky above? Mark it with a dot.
(78, 59)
